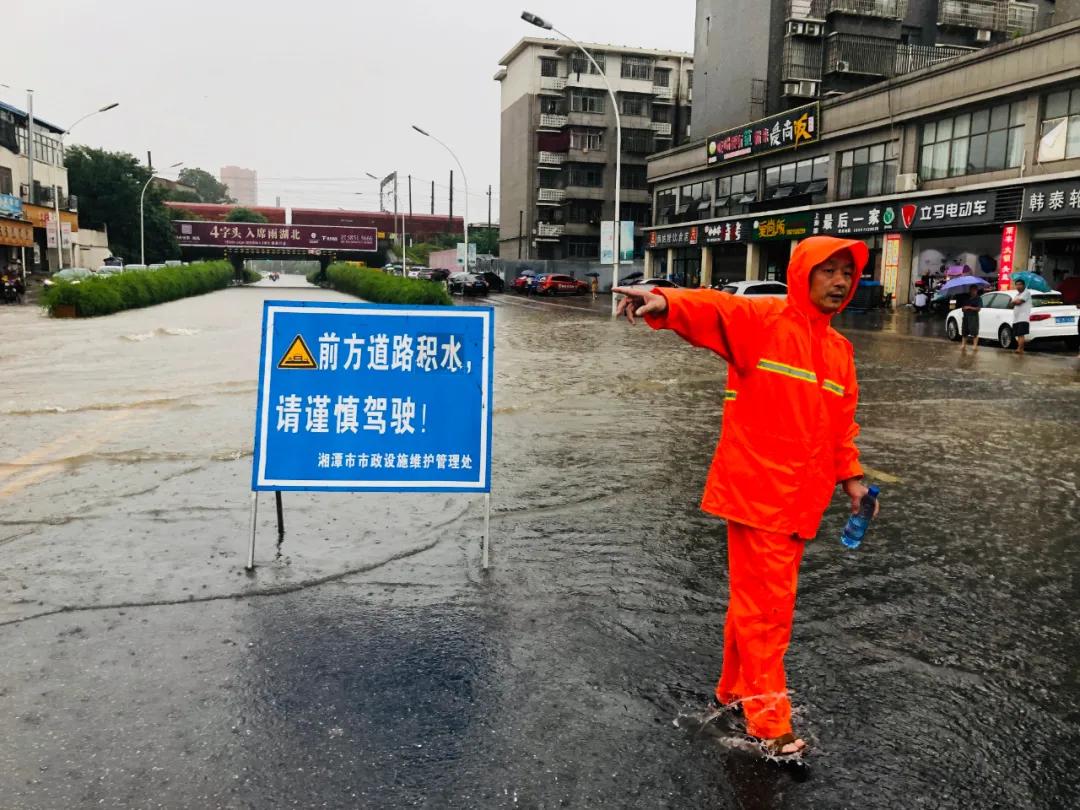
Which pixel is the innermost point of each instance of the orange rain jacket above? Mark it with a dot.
(789, 427)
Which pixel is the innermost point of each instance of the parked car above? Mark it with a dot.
(770, 289)
(557, 284)
(467, 284)
(522, 282)
(70, 274)
(494, 280)
(1051, 319)
(433, 274)
(655, 282)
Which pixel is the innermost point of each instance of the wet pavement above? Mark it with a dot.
(370, 663)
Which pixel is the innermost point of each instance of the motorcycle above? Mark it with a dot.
(13, 289)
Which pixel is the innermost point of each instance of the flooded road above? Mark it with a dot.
(371, 663)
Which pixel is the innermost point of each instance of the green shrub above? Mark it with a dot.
(250, 276)
(105, 295)
(380, 288)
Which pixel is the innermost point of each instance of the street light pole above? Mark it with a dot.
(142, 216)
(465, 181)
(540, 22)
(56, 196)
(402, 245)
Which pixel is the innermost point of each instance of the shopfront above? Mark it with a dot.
(46, 258)
(16, 235)
(1052, 212)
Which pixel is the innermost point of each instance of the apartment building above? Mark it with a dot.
(243, 184)
(27, 207)
(558, 141)
(825, 48)
(974, 161)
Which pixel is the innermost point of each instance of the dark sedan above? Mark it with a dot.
(467, 284)
(494, 281)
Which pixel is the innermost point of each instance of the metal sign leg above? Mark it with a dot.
(254, 512)
(280, 517)
(487, 528)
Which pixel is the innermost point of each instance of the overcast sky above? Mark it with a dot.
(310, 94)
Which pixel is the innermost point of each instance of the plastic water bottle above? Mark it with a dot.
(859, 522)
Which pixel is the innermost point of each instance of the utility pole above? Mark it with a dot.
(489, 207)
(433, 198)
(30, 147)
(451, 220)
(521, 230)
(410, 195)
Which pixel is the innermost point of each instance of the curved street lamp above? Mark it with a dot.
(540, 22)
(464, 179)
(142, 217)
(56, 197)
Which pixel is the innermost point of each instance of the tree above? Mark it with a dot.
(108, 185)
(206, 186)
(242, 214)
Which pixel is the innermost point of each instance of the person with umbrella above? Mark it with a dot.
(1022, 315)
(971, 306)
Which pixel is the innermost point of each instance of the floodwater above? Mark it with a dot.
(370, 663)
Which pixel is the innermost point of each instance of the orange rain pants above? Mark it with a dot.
(763, 572)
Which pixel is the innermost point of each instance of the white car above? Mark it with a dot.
(766, 289)
(1051, 318)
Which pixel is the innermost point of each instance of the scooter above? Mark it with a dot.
(13, 290)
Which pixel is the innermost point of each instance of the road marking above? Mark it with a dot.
(878, 475)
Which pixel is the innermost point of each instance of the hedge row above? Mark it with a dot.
(380, 288)
(105, 295)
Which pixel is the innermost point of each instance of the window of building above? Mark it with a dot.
(735, 192)
(580, 64)
(46, 147)
(637, 67)
(633, 177)
(549, 67)
(582, 248)
(5, 181)
(634, 104)
(661, 113)
(551, 106)
(665, 205)
(809, 176)
(690, 80)
(1059, 138)
(661, 77)
(637, 141)
(586, 102)
(585, 174)
(638, 213)
(587, 139)
(584, 212)
(986, 140)
(868, 171)
(695, 200)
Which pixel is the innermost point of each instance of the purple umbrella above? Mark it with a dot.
(963, 282)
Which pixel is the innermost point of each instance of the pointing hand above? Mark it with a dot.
(639, 302)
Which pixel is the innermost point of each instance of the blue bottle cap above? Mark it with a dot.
(874, 491)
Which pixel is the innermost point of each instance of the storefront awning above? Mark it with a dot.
(1059, 232)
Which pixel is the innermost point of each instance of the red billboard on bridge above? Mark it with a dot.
(338, 239)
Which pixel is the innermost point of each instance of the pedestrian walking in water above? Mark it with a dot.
(787, 441)
(971, 306)
(1021, 306)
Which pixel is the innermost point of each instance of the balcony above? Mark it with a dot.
(910, 58)
(552, 121)
(889, 9)
(550, 195)
(987, 15)
(661, 128)
(806, 10)
(862, 56)
(548, 230)
(585, 192)
(581, 228)
(1021, 19)
(661, 93)
(552, 159)
(556, 83)
(802, 59)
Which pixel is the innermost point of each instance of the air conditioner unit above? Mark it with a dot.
(983, 35)
(24, 192)
(813, 29)
(808, 88)
(791, 88)
(907, 182)
(795, 27)
(843, 66)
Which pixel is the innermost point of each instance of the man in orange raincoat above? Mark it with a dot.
(788, 439)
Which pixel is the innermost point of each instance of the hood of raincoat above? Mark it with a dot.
(811, 252)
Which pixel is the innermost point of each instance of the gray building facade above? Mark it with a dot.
(558, 142)
(818, 49)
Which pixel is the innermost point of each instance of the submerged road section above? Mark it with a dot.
(370, 663)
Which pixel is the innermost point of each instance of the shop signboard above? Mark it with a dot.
(16, 234)
(673, 237)
(857, 219)
(1008, 257)
(720, 232)
(268, 235)
(10, 206)
(890, 264)
(787, 130)
(948, 212)
(607, 241)
(50, 233)
(1058, 200)
(783, 226)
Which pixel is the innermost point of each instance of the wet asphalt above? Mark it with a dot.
(370, 663)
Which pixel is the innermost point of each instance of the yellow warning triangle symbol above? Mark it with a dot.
(298, 355)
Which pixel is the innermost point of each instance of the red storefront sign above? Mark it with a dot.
(1008, 253)
(269, 235)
